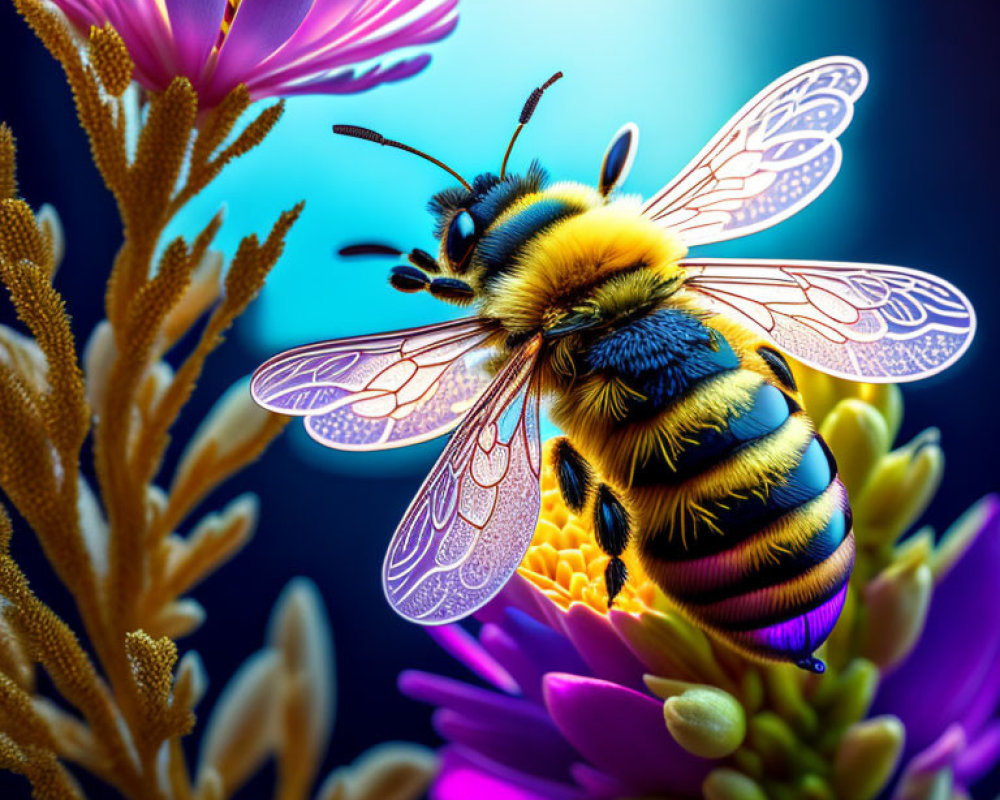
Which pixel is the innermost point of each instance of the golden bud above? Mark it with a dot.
(728, 784)
(52, 233)
(242, 728)
(177, 619)
(191, 682)
(111, 60)
(867, 757)
(390, 771)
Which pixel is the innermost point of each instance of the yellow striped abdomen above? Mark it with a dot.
(737, 510)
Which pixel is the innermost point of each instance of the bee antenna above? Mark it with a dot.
(526, 113)
(371, 136)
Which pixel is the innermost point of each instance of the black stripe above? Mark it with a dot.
(711, 447)
(775, 617)
(739, 517)
(824, 539)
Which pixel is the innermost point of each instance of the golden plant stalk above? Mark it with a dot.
(121, 557)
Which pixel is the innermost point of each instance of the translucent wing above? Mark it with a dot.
(469, 526)
(771, 160)
(380, 391)
(863, 322)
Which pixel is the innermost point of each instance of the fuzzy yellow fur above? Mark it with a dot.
(753, 470)
(580, 412)
(574, 255)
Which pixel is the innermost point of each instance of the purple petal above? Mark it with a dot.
(284, 69)
(623, 733)
(600, 646)
(195, 25)
(945, 676)
(597, 783)
(147, 37)
(528, 649)
(463, 646)
(345, 82)
(537, 749)
(260, 28)
(519, 594)
(464, 776)
(979, 756)
(941, 754)
(83, 13)
(472, 701)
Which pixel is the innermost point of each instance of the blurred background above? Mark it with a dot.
(917, 188)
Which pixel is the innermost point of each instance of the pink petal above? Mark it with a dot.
(471, 701)
(979, 756)
(538, 750)
(597, 783)
(195, 26)
(622, 732)
(260, 28)
(467, 776)
(598, 643)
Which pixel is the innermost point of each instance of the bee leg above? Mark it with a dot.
(423, 260)
(612, 526)
(452, 290)
(406, 278)
(576, 476)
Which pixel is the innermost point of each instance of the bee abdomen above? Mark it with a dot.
(738, 512)
(757, 543)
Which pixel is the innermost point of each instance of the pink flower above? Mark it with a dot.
(275, 47)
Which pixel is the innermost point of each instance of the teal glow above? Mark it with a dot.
(677, 69)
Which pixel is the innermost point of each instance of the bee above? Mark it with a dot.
(685, 435)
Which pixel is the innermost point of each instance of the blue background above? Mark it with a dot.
(917, 188)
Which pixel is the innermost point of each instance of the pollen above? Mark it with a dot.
(565, 562)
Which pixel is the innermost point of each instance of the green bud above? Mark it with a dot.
(839, 645)
(704, 720)
(859, 438)
(728, 784)
(813, 787)
(671, 645)
(770, 736)
(888, 399)
(854, 694)
(897, 602)
(784, 688)
(752, 690)
(898, 491)
(749, 762)
(867, 757)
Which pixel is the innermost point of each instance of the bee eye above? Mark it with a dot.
(461, 235)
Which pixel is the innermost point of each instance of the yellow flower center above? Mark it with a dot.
(565, 563)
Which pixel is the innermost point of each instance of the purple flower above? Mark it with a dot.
(572, 706)
(274, 47)
(567, 716)
(947, 690)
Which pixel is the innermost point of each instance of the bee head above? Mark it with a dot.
(462, 216)
(463, 213)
